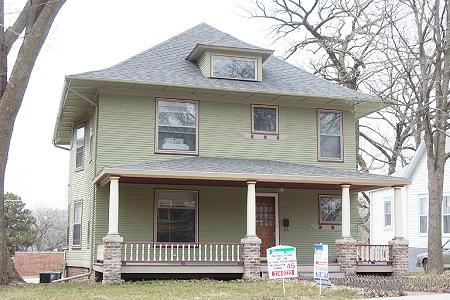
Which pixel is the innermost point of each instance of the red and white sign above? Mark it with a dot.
(282, 262)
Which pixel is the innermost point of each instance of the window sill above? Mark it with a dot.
(76, 247)
(330, 160)
(264, 136)
(326, 226)
(171, 152)
(79, 169)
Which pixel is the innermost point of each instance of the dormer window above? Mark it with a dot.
(232, 67)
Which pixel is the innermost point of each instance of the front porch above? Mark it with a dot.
(232, 225)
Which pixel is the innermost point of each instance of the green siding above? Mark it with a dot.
(222, 216)
(126, 133)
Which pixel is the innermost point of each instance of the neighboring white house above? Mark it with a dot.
(415, 207)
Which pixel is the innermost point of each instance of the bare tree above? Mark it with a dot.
(344, 40)
(421, 44)
(31, 28)
(51, 226)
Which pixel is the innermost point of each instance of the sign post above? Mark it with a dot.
(282, 263)
(321, 266)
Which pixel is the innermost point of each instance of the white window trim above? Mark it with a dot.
(320, 209)
(419, 197)
(155, 212)
(276, 132)
(91, 136)
(81, 222)
(277, 219)
(159, 151)
(387, 227)
(75, 142)
(330, 159)
(245, 58)
(445, 234)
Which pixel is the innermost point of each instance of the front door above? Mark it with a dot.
(265, 222)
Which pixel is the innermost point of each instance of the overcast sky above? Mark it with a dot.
(89, 35)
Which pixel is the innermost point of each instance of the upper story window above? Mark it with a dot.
(330, 209)
(234, 67)
(330, 138)
(264, 119)
(387, 212)
(79, 147)
(176, 216)
(423, 214)
(91, 136)
(177, 126)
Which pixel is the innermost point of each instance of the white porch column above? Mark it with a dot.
(251, 209)
(346, 211)
(398, 216)
(113, 225)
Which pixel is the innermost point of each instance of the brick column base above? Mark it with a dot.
(346, 255)
(252, 258)
(112, 259)
(398, 254)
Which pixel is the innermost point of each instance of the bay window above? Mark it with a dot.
(177, 126)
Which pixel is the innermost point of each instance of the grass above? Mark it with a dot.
(187, 289)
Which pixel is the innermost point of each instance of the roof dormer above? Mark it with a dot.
(229, 62)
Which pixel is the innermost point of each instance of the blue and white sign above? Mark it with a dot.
(321, 265)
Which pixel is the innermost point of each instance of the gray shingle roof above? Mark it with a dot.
(166, 64)
(248, 166)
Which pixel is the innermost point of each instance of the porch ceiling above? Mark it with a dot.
(236, 172)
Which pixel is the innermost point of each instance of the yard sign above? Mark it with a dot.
(282, 262)
(321, 265)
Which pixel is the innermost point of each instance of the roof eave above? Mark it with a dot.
(103, 177)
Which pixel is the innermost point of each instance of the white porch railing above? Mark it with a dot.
(184, 253)
(373, 254)
(100, 251)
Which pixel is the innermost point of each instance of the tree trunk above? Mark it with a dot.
(10, 103)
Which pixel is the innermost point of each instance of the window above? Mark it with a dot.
(91, 136)
(79, 147)
(423, 215)
(330, 209)
(176, 216)
(265, 119)
(233, 67)
(177, 126)
(387, 213)
(330, 135)
(76, 234)
(446, 215)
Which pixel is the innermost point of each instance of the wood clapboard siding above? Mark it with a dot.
(81, 188)
(222, 216)
(126, 133)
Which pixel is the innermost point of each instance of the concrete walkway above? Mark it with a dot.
(419, 296)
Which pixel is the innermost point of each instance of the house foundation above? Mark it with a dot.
(252, 258)
(346, 255)
(112, 259)
(399, 256)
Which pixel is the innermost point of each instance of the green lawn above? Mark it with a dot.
(195, 289)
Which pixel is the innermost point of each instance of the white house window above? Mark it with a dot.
(91, 136)
(446, 215)
(177, 126)
(76, 233)
(330, 135)
(423, 215)
(330, 209)
(387, 213)
(264, 119)
(233, 67)
(79, 147)
(176, 216)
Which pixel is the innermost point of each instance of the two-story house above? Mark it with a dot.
(195, 156)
